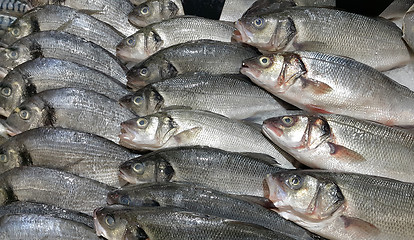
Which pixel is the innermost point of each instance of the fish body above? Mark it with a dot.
(167, 33)
(5, 22)
(42, 74)
(183, 127)
(408, 27)
(60, 45)
(153, 11)
(374, 42)
(209, 167)
(199, 56)
(230, 96)
(323, 83)
(49, 186)
(13, 8)
(339, 205)
(194, 198)
(80, 153)
(337, 142)
(54, 17)
(73, 108)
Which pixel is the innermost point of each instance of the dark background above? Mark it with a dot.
(212, 8)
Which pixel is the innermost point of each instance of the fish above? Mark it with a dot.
(408, 27)
(112, 12)
(194, 198)
(229, 95)
(198, 56)
(64, 46)
(183, 127)
(153, 11)
(374, 42)
(342, 143)
(397, 9)
(161, 35)
(233, 10)
(50, 186)
(5, 22)
(264, 6)
(46, 210)
(316, 3)
(169, 223)
(340, 205)
(73, 108)
(13, 8)
(323, 83)
(61, 18)
(34, 226)
(80, 153)
(205, 166)
(42, 74)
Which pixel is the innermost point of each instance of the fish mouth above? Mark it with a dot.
(275, 194)
(134, 82)
(111, 197)
(100, 231)
(6, 130)
(136, 21)
(3, 72)
(127, 136)
(271, 130)
(124, 53)
(241, 34)
(4, 113)
(127, 178)
(250, 72)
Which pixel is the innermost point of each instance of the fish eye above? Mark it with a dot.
(264, 61)
(258, 22)
(145, 10)
(138, 168)
(143, 72)
(130, 41)
(6, 91)
(15, 32)
(13, 54)
(24, 114)
(109, 220)
(295, 182)
(288, 121)
(138, 100)
(142, 122)
(125, 200)
(3, 158)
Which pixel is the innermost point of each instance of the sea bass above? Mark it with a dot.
(153, 11)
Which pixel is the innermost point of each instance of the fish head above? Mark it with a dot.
(14, 56)
(131, 49)
(298, 194)
(267, 31)
(146, 13)
(13, 154)
(296, 133)
(17, 30)
(136, 199)
(143, 102)
(146, 169)
(143, 74)
(13, 90)
(274, 72)
(108, 224)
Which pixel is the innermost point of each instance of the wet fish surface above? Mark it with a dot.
(170, 223)
(83, 154)
(397, 9)
(73, 108)
(324, 83)
(60, 45)
(344, 205)
(374, 42)
(209, 167)
(153, 11)
(13, 8)
(42, 74)
(167, 33)
(228, 95)
(49, 186)
(53, 17)
(5, 22)
(205, 200)
(182, 127)
(199, 56)
(408, 27)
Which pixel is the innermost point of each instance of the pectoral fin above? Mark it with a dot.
(315, 86)
(264, 202)
(345, 154)
(187, 135)
(310, 46)
(360, 227)
(64, 26)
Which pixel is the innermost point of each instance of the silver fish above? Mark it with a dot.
(397, 9)
(13, 8)
(408, 27)
(153, 11)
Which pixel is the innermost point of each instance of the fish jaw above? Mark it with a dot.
(3, 72)
(6, 128)
(4, 113)
(242, 34)
(100, 231)
(127, 177)
(134, 80)
(276, 194)
(130, 54)
(128, 136)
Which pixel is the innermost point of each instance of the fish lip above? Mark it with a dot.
(127, 178)
(269, 129)
(273, 182)
(4, 113)
(127, 136)
(100, 231)
(9, 130)
(134, 20)
(3, 72)
(241, 34)
(252, 73)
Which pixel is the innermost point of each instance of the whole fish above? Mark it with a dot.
(164, 223)
(65, 46)
(73, 108)
(339, 205)
(46, 210)
(209, 167)
(183, 127)
(112, 12)
(374, 42)
(13, 8)
(199, 56)
(408, 27)
(324, 83)
(53, 17)
(34, 226)
(153, 11)
(338, 142)
(42, 74)
(80, 153)
(230, 96)
(49, 186)
(205, 200)
(157, 36)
